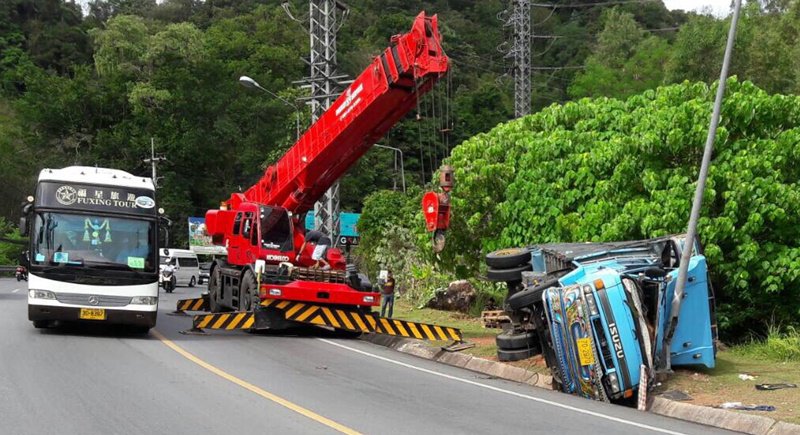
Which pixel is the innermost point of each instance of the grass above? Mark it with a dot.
(775, 359)
(776, 346)
(722, 384)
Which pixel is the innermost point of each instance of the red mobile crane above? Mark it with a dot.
(264, 222)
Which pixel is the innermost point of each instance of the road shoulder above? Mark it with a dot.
(751, 424)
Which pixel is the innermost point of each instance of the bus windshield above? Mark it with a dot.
(93, 241)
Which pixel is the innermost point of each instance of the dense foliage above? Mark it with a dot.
(605, 169)
(93, 87)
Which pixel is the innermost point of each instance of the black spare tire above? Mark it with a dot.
(517, 340)
(508, 258)
(516, 354)
(505, 275)
(530, 296)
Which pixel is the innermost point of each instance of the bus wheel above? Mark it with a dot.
(40, 324)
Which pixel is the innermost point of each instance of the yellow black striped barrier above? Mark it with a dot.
(197, 304)
(352, 320)
(229, 321)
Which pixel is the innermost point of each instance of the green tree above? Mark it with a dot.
(625, 60)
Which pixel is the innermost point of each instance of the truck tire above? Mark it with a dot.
(506, 275)
(508, 258)
(248, 292)
(214, 287)
(516, 354)
(529, 296)
(511, 340)
(192, 282)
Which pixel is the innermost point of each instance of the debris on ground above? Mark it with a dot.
(459, 296)
(740, 407)
(746, 377)
(770, 387)
(676, 395)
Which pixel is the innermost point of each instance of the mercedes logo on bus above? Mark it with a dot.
(94, 300)
(66, 195)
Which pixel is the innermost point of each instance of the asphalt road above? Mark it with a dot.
(91, 380)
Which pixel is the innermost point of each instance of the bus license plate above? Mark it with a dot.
(585, 351)
(93, 314)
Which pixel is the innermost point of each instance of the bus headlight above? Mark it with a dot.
(144, 300)
(41, 294)
(614, 382)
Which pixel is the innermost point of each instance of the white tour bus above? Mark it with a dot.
(93, 253)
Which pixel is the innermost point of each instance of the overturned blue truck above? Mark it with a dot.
(604, 315)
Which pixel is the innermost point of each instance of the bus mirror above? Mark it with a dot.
(165, 221)
(23, 226)
(26, 209)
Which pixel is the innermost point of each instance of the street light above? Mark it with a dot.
(247, 82)
(402, 169)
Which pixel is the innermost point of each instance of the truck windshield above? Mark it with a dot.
(73, 240)
(276, 229)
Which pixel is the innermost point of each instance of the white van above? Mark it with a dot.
(187, 268)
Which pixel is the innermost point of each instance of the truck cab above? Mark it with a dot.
(601, 312)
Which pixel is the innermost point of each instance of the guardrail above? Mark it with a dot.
(8, 269)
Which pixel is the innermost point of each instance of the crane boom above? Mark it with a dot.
(261, 228)
(376, 100)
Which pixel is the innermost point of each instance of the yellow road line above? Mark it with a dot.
(248, 386)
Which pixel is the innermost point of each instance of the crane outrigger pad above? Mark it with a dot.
(357, 321)
(196, 304)
(320, 315)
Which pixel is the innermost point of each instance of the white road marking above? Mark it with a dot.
(15, 290)
(500, 390)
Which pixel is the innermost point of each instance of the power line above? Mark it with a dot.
(588, 5)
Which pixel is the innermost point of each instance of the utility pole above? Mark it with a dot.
(520, 20)
(325, 18)
(153, 161)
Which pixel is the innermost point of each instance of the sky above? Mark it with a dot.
(720, 8)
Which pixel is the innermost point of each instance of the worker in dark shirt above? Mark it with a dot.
(387, 295)
(322, 243)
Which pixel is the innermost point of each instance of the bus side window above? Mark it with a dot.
(237, 223)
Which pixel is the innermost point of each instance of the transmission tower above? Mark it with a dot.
(325, 17)
(519, 19)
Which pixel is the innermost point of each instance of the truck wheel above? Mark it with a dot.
(516, 355)
(214, 287)
(248, 292)
(192, 282)
(529, 296)
(517, 340)
(508, 258)
(501, 275)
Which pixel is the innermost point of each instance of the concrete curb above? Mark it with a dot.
(721, 418)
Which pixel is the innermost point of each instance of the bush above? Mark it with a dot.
(603, 169)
